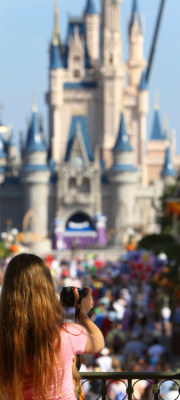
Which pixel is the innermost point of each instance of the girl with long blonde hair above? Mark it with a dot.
(37, 346)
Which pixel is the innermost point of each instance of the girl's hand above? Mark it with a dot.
(86, 303)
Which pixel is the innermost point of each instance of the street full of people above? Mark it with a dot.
(134, 315)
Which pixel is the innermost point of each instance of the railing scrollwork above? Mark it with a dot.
(159, 385)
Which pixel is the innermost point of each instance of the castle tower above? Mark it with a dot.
(157, 132)
(10, 193)
(3, 160)
(112, 77)
(136, 62)
(11, 148)
(35, 178)
(92, 31)
(13, 159)
(55, 96)
(168, 172)
(111, 40)
(156, 148)
(123, 179)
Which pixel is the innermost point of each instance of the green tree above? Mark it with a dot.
(166, 221)
(4, 251)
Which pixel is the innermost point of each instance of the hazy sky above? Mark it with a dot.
(25, 33)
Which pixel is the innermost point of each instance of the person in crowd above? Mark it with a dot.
(37, 346)
(104, 361)
(117, 389)
(139, 386)
(166, 317)
(116, 338)
(155, 351)
(84, 368)
(120, 306)
(134, 348)
(101, 314)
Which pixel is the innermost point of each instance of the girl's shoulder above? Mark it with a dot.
(71, 328)
(75, 335)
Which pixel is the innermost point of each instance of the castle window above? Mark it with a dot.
(111, 59)
(85, 186)
(72, 185)
(76, 73)
(77, 59)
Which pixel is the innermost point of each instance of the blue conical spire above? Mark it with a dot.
(34, 140)
(55, 61)
(156, 133)
(123, 152)
(122, 142)
(90, 7)
(55, 58)
(168, 169)
(133, 13)
(143, 81)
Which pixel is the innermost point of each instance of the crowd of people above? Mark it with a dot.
(133, 314)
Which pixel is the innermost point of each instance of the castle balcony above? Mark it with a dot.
(81, 200)
(158, 385)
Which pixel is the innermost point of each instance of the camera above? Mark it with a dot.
(67, 296)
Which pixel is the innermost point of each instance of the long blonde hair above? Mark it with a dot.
(30, 319)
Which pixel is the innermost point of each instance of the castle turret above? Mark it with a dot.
(11, 147)
(77, 58)
(35, 177)
(3, 160)
(34, 142)
(112, 76)
(92, 30)
(123, 178)
(111, 40)
(122, 144)
(168, 172)
(156, 147)
(136, 62)
(55, 95)
(156, 132)
(55, 58)
(134, 15)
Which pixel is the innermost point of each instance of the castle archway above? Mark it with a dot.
(80, 221)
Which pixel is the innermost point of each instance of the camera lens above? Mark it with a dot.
(67, 296)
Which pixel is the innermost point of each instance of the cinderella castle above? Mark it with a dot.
(97, 176)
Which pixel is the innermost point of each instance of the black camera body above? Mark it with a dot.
(67, 296)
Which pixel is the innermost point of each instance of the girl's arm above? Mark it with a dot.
(95, 339)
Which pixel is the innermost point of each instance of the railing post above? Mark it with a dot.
(129, 389)
(103, 389)
(156, 390)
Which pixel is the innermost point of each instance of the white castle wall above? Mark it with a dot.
(36, 198)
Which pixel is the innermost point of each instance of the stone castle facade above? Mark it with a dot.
(98, 176)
